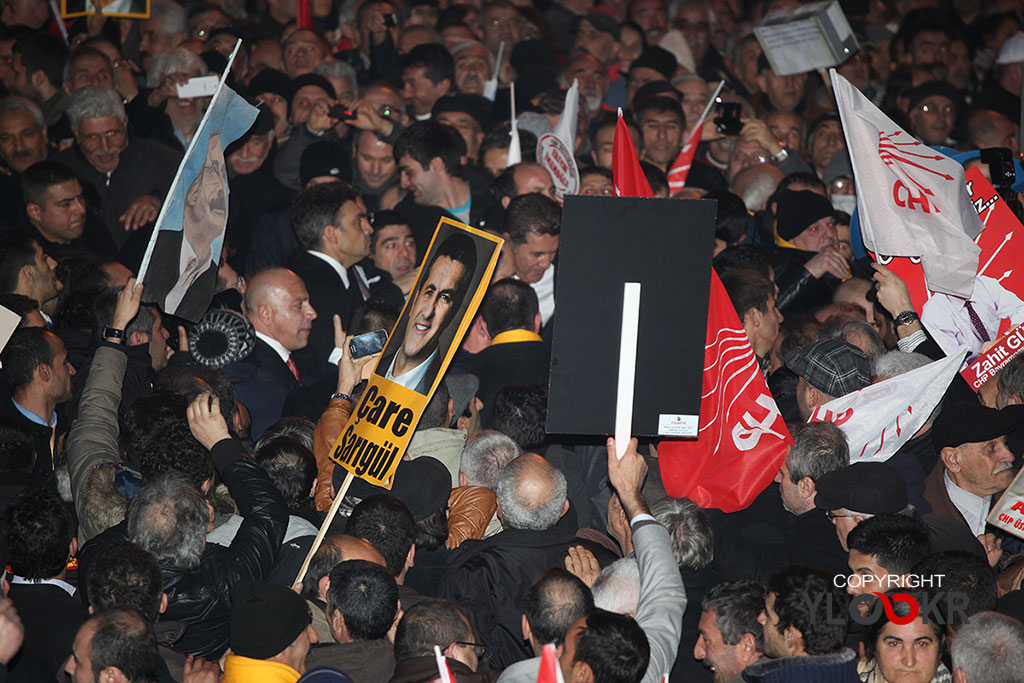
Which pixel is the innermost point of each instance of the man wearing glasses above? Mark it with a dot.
(124, 177)
(932, 109)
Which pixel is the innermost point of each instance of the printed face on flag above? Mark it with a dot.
(206, 202)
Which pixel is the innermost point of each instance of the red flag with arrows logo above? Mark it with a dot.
(627, 176)
(680, 169)
(742, 438)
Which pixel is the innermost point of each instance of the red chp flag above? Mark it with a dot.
(627, 176)
(680, 169)
(742, 439)
(303, 14)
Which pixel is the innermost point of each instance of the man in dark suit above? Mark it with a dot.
(330, 222)
(516, 354)
(282, 316)
(975, 464)
(37, 370)
(41, 538)
(413, 361)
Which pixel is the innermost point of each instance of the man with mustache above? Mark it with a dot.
(975, 466)
(191, 248)
(125, 178)
(474, 65)
(22, 133)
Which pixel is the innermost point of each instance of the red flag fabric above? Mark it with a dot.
(550, 671)
(303, 14)
(742, 439)
(681, 166)
(627, 176)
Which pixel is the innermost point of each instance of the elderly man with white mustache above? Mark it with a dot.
(970, 440)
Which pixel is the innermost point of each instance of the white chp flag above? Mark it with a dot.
(515, 150)
(880, 418)
(911, 200)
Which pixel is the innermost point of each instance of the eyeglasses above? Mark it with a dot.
(840, 183)
(833, 516)
(939, 109)
(478, 648)
(111, 136)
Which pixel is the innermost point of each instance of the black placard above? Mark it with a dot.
(664, 244)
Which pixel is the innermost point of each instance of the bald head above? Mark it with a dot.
(531, 494)
(333, 551)
(352, 548)
(277, 304)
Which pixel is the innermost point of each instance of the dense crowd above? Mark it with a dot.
(162, 479)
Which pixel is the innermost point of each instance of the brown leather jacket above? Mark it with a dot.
(328, 429)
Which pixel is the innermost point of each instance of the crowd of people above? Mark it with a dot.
(162, 480)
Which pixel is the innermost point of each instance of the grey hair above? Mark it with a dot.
(1011, 382)
(515, 512)
(168, 519)
(989, 648)
(94, 102)
(466, 44)
(171, 15)
(737, 605)
(178, 60)
(895, 363)
(755, 195)
(849, 328)
(617, 588)
(818, 448)
(335, 68)
(693, 543)
(16, 103)
(143, 321)
(485, 457)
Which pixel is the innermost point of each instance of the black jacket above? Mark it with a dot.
(799, 291)
(199, 599)
(755, 542)
(262, 381)
(488, 578)
(145, 168)
(329, 297)
(51, 619)
(498, 366)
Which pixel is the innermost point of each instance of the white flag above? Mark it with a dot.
(880, 418)
(515, 150)
(565, 129)
(911, 200)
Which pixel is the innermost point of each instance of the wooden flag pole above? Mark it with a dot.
(297, 584)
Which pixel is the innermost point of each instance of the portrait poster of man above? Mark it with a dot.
(180, 269)
(129, 9)
(455, 273)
